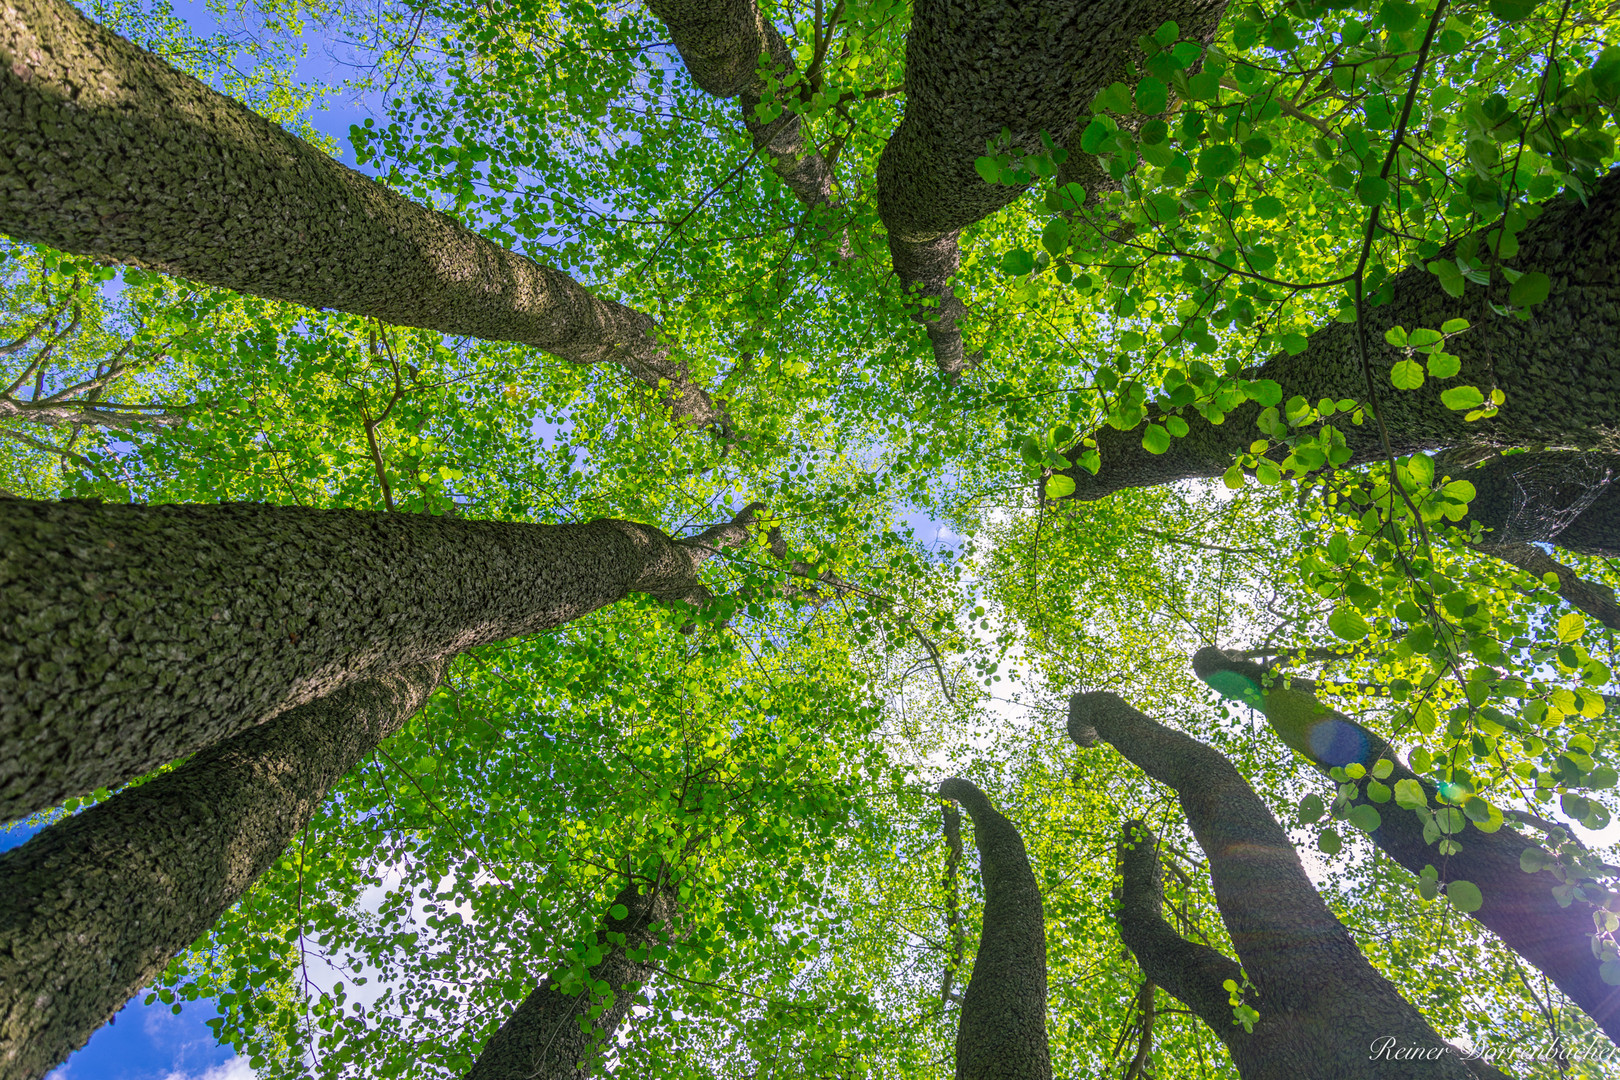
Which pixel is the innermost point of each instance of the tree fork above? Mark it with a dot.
(133, 635)
(721, 44)
(974, 69)
(99, 902)
(1519, 908)
(107, 151)
(543, 1038)
(1002, 1031)
(1321, 1004)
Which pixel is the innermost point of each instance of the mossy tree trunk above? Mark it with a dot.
(1322, 1007)
(1517, 907)
(133, 635)
(1002, 1031)
(545, 1038)
(106, 150)
(97, 904)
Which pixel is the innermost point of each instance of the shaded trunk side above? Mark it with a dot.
(1191, 972)
(1518, 907)
(1002, 1031)
(133, 635)
(1556, 369)
(721, 43)
(189, 182)
(1321, 1004)
(543, 1038)
(974, 68)
(97, 904)
(1563, 497)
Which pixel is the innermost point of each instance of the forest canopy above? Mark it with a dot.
(769, 539)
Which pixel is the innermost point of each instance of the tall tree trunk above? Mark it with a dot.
(721, 43)
(543, 1038)
(973, 69)
(1002, 1032)
(1557, 371)
(133, 635)
(1518, 907)
(1321, 1004)
(105, 150)
(98, 903)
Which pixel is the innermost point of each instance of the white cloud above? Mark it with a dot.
(234, 1069)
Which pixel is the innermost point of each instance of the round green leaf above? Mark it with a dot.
(1512, 10)
(1217, 160)
(1059, 486)
(1151, 96)
(1329, 843)
(1155, 439)
(1530, 289)
(1465, 895)
(1366, 818)
(1406, 375)
(1347, 623)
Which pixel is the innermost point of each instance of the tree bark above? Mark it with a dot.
(721, 44)
(543, 1039)
(1518, 907)
(1321, 1004)
(1562, 497)
(107, 151)
(98, 903)
(1590, 597)
(133, 635)
(974, 68)
(1556, 369)
(1002, 1031)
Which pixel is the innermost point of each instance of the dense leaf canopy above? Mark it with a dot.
(944, 554)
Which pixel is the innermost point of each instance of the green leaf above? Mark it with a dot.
(988, 168)
(1451, 278)
(1152, 96)
(1366, 818)
(1017, 262)
(1059, 486)
(619, 911)
(1267, 206)
(1055, 237)
(1233, 477)
(1155, 440)
(1396, 336)
(1529, 290)
(1453, 326)
(1372, 190)
(1443, 365)
(1256, 147)
(1513, 10)
(1462, 397)
(1311, 809)
(1347, 623)
(1030, 451)
(1410, 795)
(1407, 375)
(1465, 895)
(1571, 626)
(1329, 842)
(1217, 161)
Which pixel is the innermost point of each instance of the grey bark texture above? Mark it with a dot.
(1557, 369)
(721, 43)
(542, 1039)
(974, 68)
(105, 150)
(1321, 1004)
(97, 904)
(133, 635)
(1563, 497)
(1002, 1031)
(1518, 907)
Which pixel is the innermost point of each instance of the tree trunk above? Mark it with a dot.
(1594, 599)
(543, 1038)
(1321, 1004)
(1562, 497)
(133, 635)
(98, 903)
(1557, 369)
(1002, 1032)
(1518, 907)
(721, 43)
(974, 68)
(107, 151)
